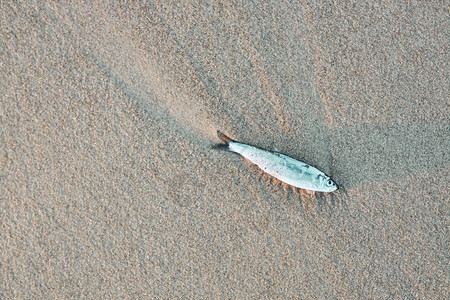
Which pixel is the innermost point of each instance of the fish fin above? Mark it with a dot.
(223, 147)
(225, 139)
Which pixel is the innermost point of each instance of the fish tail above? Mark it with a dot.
(225, 139)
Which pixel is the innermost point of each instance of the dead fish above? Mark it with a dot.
(284, 168)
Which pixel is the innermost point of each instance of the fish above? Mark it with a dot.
(282, 167)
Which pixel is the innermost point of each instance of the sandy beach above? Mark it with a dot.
(110, 187)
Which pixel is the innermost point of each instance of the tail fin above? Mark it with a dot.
(225, 139)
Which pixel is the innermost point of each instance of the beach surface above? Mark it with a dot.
(110, 186)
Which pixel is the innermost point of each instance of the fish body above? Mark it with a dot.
(282, 167)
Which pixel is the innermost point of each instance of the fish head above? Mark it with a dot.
(324, 183)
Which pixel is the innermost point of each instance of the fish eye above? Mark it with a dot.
(329, 183)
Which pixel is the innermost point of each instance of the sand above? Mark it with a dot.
(110, 188)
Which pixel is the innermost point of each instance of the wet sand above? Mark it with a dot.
(110, 187)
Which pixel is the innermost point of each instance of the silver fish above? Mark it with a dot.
(284, 168)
